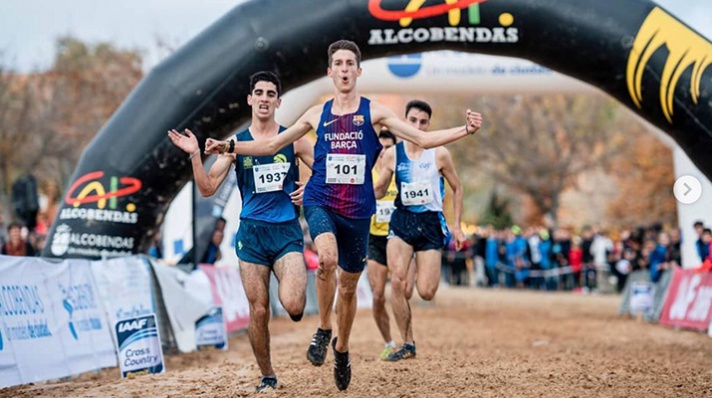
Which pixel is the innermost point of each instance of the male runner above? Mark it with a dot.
(417, 225)
(377, 260)
(270, 237)
(339, 200)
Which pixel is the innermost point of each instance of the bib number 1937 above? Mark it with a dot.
(270, 177)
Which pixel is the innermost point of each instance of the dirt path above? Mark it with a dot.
(478, 343)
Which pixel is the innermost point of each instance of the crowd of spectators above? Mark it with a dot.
(592, 259)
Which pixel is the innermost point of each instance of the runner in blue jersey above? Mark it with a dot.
(269, 237)
(417, 224)
(339, 198)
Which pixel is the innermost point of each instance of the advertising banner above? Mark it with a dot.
(211, 330)
(139, 346)
(52, 323)
(183, 305)
(228, 292)
(689, 300)
(124, 285)
(641, 301)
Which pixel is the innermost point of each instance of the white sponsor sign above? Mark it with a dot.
(139, 346)
(641, 300)
(211, 330)
(51, 321)
(183, 305)
(124, 286)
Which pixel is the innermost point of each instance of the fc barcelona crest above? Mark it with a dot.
(358, 120)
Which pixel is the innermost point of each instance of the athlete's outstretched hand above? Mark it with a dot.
(459, 237)
(298, 194)
(215, 146)
(187, 142)
(474, 122)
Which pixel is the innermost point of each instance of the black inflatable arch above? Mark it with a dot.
(128, 175)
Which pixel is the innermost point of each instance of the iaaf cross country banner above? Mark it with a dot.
(139, 346)
(124, 285)
(52, 323)
(210, 330)
(228, 292)
(689, 300)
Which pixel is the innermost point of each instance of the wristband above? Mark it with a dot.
(192, 155)
(231, 148)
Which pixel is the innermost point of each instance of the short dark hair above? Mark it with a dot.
(699, 223)
(420, 105)
(387, 135)
(265, 76)
(14, 225)
(707, 231)
(344, 45)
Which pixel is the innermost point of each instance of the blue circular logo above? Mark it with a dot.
(405, 65)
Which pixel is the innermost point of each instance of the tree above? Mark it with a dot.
(538, 145)
(47, 118)
(645, 175)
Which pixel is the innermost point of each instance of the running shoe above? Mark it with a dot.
(268, 383)
(387, 351)
(316, 354)
(404, 352)
(342, 367)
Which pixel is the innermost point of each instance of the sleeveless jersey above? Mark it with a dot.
(384, 208)
(420, 186)
(344, 154)
(265, 183)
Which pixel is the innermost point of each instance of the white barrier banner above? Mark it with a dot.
(211, 330)
(229, 293)
(52, 321)
(184, 307)
(139, 346)
(124, 285)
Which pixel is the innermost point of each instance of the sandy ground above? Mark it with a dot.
(472, 343)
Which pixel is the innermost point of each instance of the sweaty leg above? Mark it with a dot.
(346, 311)
(377, 275)
(326, 276)
(399, 257)
(410, 280)
(255, 279)
(292, 276)
(428, 273)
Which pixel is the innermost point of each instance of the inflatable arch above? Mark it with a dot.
(128, 175)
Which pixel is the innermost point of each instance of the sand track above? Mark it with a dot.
(479, 343)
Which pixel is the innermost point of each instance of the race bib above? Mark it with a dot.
(270, 177)
(384, 209)
(345, 169)
(416, 193)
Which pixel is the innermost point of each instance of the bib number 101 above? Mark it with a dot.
(345, 169)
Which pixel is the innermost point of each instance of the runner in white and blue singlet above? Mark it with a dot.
(417, 225)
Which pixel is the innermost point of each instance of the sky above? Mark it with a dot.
(29, 28)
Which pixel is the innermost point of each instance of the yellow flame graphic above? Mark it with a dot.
(453, 16)
(92, 187)
(686, 49)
